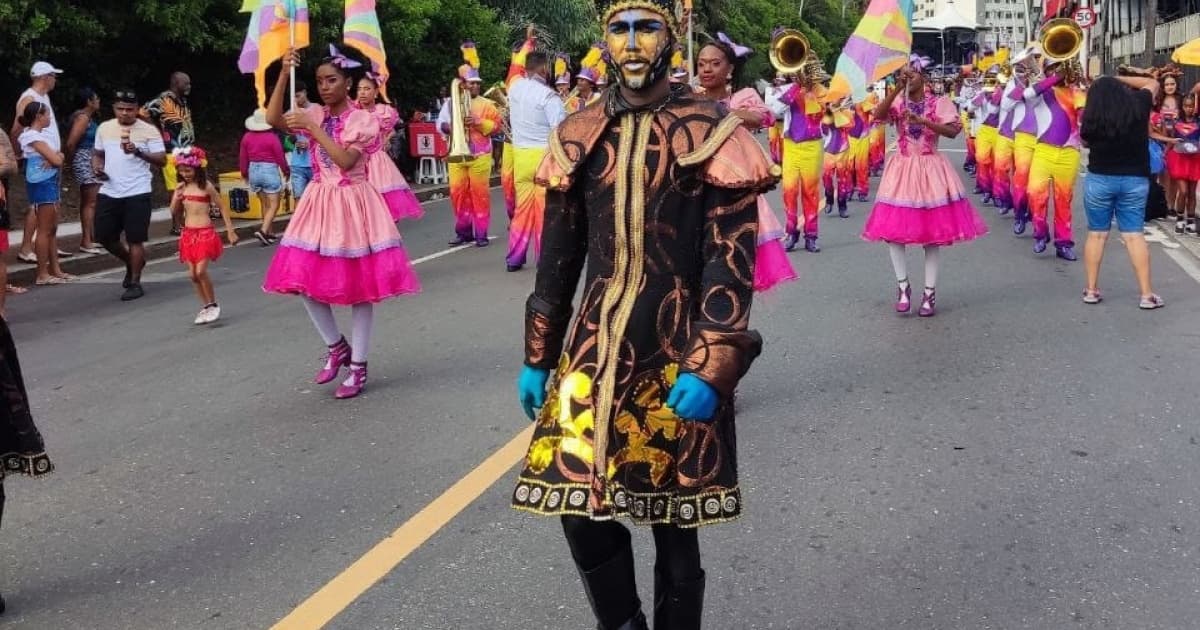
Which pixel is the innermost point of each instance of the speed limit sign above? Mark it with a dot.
(1085, 17)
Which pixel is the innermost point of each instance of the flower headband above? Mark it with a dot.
(739, 51)
(342, 61)
(194, 157)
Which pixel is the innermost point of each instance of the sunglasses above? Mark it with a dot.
(126, 97)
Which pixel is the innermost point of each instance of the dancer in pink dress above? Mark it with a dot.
(341, 246)
(381, 170)
(716, 66)
(920, 200)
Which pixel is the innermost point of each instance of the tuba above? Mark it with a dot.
(1061, 39)
(460, 106)
(790, 51)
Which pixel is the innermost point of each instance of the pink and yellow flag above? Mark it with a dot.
(880, 45)
(362, 32)
(269, 36)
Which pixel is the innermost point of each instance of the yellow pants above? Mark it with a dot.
(985, 157)
(802, 166)
(526, 226)
(470, 197)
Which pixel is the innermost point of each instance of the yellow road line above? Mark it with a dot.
(319, 609)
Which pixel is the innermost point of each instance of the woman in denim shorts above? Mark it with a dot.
(261, 161)
(1115, 127)
(43, 162)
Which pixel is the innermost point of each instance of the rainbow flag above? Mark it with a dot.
(362, 32)
(269, 37)
(879, 45)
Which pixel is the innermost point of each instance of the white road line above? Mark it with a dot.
(1185, 262)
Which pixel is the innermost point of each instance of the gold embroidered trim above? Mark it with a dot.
(643, 508)
(719, 135)
(560, 155)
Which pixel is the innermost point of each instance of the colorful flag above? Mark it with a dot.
(270, 35)
(880, 45)
(362, 32)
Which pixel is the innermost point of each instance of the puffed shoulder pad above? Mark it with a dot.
(732, 158)
(570, 144)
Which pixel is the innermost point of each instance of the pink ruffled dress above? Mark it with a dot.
(771, 265)
(921, 200)
(341, 246)
(382, 171)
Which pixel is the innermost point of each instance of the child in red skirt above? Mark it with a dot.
(1183, 164)
(199, 244)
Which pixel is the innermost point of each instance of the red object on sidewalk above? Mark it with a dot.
(424, 140)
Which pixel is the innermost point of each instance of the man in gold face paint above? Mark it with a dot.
(655, 191)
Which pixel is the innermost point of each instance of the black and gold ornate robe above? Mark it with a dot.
(21, 449)
(660, 205)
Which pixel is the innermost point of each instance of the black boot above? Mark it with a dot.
(678, 606)
(2, 605)
(612, 591)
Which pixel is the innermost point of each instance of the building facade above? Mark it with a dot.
(1001, 22)
(1121, 35)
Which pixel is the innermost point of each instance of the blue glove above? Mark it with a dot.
(531, 389)
(692, 398)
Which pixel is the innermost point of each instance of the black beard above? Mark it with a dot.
(658, 68)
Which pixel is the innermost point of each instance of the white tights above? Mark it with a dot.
(322, 318)
(933, 256)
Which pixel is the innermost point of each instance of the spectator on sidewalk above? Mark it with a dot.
(125, 150)
(261, 160)
(80, 140)
(1118, 181)
(44, 77)
(298, 157)
(172, 114)
(8, 166)
(44, 160)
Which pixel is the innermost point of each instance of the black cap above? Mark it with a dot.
(125, 96)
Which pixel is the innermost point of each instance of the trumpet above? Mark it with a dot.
(460, 106)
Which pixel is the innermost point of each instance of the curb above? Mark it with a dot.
(163, 245)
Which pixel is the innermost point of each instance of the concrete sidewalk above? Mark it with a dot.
(161, 244)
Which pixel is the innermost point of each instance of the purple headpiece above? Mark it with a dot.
(342, 61)
(739, 50)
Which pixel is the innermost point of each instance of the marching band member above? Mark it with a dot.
(987, 106)
(835, 140)
(516, 70)
(858, 158)
(783, 117)
(1025, 138)
(534, 111)
(802, 155)
(1055, 157)
(469, 179)
(1002, 162)
(877, 137)
(591, 69)
(562, 75)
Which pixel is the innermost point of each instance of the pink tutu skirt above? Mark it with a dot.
(921, 201)
(771, 265)
(342, 248)
(390, 182)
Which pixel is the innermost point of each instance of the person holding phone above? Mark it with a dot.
(42, 150)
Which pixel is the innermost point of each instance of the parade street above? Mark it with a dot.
(1022, 460)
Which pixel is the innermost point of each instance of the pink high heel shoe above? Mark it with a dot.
(337, 358)
(358, 376)
(928, 304)
(904, 298)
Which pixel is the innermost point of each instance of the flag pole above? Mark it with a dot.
(292, 35)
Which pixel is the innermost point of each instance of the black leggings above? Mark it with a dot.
(592, 543)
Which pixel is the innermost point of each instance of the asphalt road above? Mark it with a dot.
(1020, 461)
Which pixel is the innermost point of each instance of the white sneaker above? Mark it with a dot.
(202, 316)
(214, 313)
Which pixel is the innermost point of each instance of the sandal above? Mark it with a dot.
(16, 290)
(51, 281)
(27, 258)
(66, 277)
(1092, 297)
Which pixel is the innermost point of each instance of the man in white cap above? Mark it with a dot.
(43, 78)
